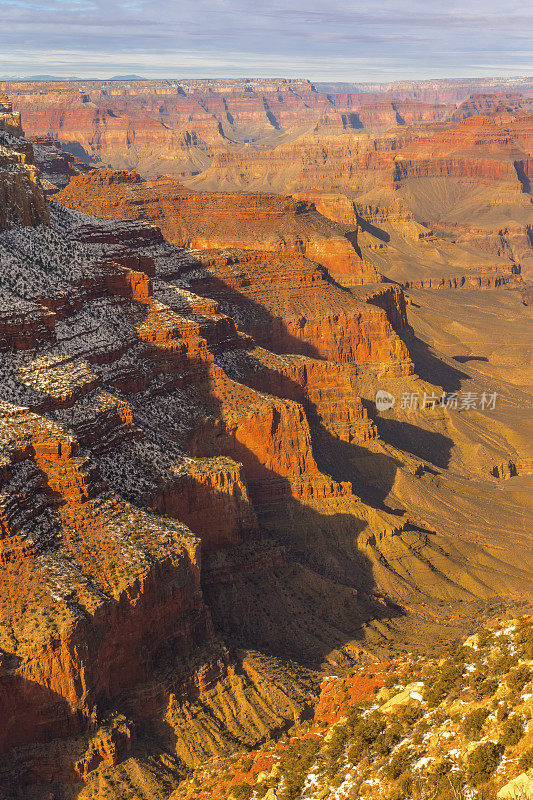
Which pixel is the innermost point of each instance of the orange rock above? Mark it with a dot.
(221, 220)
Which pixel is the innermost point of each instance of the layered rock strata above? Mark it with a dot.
(184, 453)
(21, 201)
(178, 127)
(131, 407)
(222, 220)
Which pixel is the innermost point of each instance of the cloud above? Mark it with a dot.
(321, 39)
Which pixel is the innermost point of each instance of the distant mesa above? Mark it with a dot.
(126, 78)
(59, 78)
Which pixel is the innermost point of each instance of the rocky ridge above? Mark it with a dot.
(459, 163)
(435, 199)
(21, 202)
(458, 726)
(223, 220)
(177, 127)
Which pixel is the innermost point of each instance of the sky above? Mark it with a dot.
(328, 40)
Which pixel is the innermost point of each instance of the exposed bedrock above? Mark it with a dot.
(135, 407)
(222, 220)
(196, 510)
(288, 305)
(21, 199)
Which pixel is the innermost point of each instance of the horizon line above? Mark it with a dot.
(46, 77)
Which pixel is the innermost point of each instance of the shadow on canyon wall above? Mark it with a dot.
(322, 592)
(265, 328)
(433, 369)
(429, 445)
(467, 359)
(29, 709)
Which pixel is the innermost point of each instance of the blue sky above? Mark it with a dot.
(345, 40)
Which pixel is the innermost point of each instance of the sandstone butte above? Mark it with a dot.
(224, 220)
(192, 515)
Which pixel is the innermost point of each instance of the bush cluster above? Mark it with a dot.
(439, 683)
(366, 731)
(512, 731)
(526, 760)
(473, 723)
(503, 664)
(295, 764)
(524, 641)
(243, 791)
(397, 764)
(518, 677)
(482, 762)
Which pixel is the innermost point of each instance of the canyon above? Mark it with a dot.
(203, 514)
(438, 172)
(178, 127)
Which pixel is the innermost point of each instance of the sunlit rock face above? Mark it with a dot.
(21, 201)
(208, 220)
(143, 428)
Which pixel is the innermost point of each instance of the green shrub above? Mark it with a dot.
(295, 763)
(439, 781)
(409, 715)
(524, 640)
(448, 787)
(439, 717)
(243, 791)
(247, 764)
(512, 731)
(353, 717)
(335, 748)
(473, 723)
(526, 760)
(392, 734)
(477, 677)
(487, 792)
(366, 731)
(488, 687)
(440, 769)
(482, 762)
(371, 726)
(391, 680)
(461, 654)
(503, 664)
(518, 677)
(484, 638)
(356, 752)
(397, 764)
(438, 685)
(405, 783)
